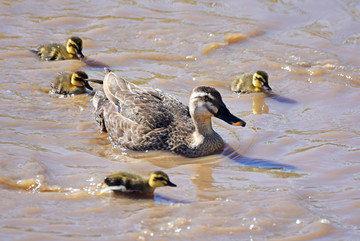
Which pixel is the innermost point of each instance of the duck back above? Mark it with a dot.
(141, 118)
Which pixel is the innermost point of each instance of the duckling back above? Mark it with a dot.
(53, 51)
(243, 83)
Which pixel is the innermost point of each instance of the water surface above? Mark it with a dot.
(291, 174)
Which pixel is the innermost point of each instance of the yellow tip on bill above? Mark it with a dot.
(238, 124)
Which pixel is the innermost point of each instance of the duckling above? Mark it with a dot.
(129, 182)
(143, 118)
(248, 82)
(67, 83)
(56, 51)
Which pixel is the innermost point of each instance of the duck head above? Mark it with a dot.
(74, 46)
(80, 79)
(261, 80)
(206, 102)
(160, 179)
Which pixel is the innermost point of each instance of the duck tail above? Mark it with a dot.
(99, 101)
(113, 84)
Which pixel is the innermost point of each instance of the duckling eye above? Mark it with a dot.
(82, 81)
(73, 45)
(261, 80)
(206, 98)
(159, 179)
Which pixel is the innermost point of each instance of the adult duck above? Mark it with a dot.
(143, 118)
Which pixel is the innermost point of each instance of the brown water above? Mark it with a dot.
(53, 157)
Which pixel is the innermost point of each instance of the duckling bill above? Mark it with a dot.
(125, 182)
(251, 82)
(57, 51)
(67, 83)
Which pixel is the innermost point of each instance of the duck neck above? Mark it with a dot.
(148, 187)
(204, 136)
(203, 126)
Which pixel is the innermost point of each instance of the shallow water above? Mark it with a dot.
(291, 174)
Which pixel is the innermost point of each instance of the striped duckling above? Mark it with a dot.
(68, 83)
(125, 182)
(251, 82)
(57, 51)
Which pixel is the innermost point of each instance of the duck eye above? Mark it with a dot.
(73, 46)
(260, 79)
(159, 179)
(206, 98)
(81, 80)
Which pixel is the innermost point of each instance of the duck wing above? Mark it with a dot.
(142, 105)
(115, 87)
(136, 117)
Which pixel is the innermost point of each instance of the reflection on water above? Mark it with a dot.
(204, 181)
(254, 162)
(280, 99)
(258, 105)
(94, 63)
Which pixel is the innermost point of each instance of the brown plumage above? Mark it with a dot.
(143, 118)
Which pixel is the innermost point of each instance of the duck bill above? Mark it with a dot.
(80, 54)
(267, 87)
(88, 86)
(98, 81)
(229, 118)
(170, 184)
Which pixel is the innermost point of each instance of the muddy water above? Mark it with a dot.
(291, 174)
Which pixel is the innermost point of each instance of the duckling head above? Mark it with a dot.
(80, 79)
(160, 179)
(206, 102)
(261, 80)
(74, 46)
